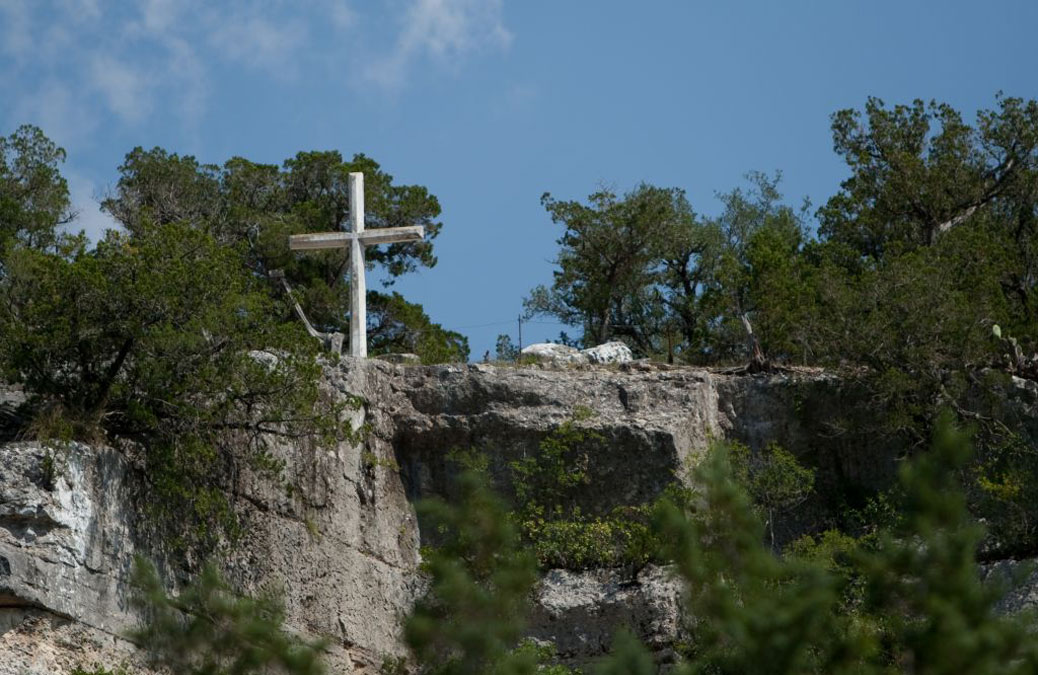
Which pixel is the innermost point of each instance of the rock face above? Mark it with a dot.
(339, 534)
(580, 612)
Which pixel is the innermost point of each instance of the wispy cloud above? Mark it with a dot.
(446, 30)
(124, 87)
(341, 14)
(76, 63)
(260, 42)
(17, 33)
(57, 108)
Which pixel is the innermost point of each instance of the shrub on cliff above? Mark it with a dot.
(208, 629)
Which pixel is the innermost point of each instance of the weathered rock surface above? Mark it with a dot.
(339, 535)
(581, 611)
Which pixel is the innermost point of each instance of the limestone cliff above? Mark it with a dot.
(339, 534)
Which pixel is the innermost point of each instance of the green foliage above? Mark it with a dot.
(606, 258)
(34, 198)
(543, 655)
(924, 584)
(931, 242)
(398, 326)
(620, 538)
(480, 579)
(774, 479)
(548, 486)
(168, 339)
(647, 269)
(98, 669)
(505, 350)
(628, 657)
(756, 613)
(209, 630)
(162, 338)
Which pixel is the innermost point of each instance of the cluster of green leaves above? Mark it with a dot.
(400, 326)
(208, 629)
(775, 481)
(162, 339)
(97, 669)
(471, 620)
(547, 487)
(34, 197)
(929, 242)
(647, 269)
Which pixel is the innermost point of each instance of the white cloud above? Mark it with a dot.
(446, 30)
(124, 87)
(186, 68)
(160, 16)
(57, 109)
(80, 10)
(70, 62)
(260, 42)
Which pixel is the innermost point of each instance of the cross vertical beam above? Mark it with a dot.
(358, 291)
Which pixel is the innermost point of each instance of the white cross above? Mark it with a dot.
(355, 239)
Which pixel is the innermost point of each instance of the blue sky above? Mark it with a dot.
(490, 103)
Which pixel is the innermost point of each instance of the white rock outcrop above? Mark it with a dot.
(549, 352)
(609, 352)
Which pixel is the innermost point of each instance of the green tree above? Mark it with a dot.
(472, 618)
(607, 262)
(755, 611)
(923, 582)
(750, 276)
(208, 629)
(919, 607)
(34, 199)
(919, 171)
(504, 349)
(776, 482)
(396, 325)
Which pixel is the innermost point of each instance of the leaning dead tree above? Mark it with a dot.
(331, 341)
(758, 362)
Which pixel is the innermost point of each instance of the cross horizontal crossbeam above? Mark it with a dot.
(325, 240)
